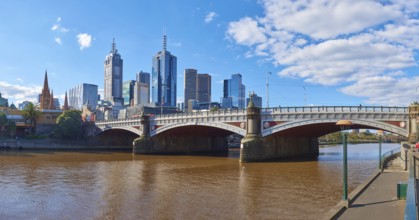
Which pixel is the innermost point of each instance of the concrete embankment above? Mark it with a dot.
(52, 144)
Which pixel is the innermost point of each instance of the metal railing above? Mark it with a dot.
(411, 209)
(279, 110)
(388, 156)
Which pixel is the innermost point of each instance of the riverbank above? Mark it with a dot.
(54, 144)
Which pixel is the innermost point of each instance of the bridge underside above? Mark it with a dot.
(115, 138)
(316, 130)
(191, 139)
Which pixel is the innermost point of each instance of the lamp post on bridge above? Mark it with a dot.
(345, 125)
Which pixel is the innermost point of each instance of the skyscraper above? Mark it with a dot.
(197, 86)
(164, 76)
(128, 92)
(203, 91)
(83, 94)
(234, 92)
(144, 79)
(190, 80)
(113, 76)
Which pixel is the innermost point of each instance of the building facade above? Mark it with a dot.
(190, 80)
(128, 92)
(113, 66)
(234, 92)
(257, 100)
(144, 79)
(164, 77)
(4, 102)
(141, 93)
(203, 91)
(83, 94)
(197, 87)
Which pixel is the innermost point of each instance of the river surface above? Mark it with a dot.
(115, 185)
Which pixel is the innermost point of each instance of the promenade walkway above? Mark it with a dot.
(379, 200)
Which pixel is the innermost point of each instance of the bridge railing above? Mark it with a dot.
(276, 110)
(360, 109)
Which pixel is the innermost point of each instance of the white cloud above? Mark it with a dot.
(246, 32)
(354, 43)
(58, 41)
(210, 16)
(57, 26)
(19, 93)
(84, 40)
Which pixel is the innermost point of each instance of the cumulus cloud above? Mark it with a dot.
(210, 16)
(351, 43)
(19, 93)
(84, 40)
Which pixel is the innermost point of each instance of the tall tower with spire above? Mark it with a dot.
(46, 100)
(164, 77)
(113, 66)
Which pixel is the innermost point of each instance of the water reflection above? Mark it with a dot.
(68, 185)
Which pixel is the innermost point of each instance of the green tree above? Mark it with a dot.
(3, 122)
(31, 112)
(69, 125)
(11, 128)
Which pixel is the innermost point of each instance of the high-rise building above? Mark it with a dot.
(197, 87)
(4, 102)
(257, 100)
(190, 79)
(128, 92)
(141, 93)
(234, 92)
(203, 91)
(83, 94)
(164, 76)
(144, 78)
(113, 76)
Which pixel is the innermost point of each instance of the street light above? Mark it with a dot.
(267, 89)
(345, 125)
(380, 140)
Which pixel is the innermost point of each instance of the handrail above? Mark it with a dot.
(284, 110)
(411, 209)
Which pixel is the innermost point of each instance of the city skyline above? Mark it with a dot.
(317, 53)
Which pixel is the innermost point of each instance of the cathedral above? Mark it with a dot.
(47, 97)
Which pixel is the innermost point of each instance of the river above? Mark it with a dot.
(119, 185)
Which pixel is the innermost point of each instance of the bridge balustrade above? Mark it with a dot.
(309, 109)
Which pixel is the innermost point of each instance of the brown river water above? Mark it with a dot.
(119, 185)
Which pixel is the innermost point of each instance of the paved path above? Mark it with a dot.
(379, 200)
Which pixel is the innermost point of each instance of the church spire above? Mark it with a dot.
(46, 87)
(51, 101)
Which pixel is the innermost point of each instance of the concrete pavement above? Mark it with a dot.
(379, 200)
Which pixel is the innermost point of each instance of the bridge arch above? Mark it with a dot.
(223, 126)
(125, 128)
(311, 127)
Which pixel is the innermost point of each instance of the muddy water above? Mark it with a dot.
(111, 185)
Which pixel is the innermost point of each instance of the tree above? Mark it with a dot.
(11, 128)
(69, 124)
(3, 121)
(31, 112)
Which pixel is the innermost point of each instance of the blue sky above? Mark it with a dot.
(320, 52)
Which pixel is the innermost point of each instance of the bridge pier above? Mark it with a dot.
(143, 144)
(413, 129)
(254, 148)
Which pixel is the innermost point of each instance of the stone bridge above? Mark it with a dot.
(283, 132)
